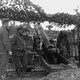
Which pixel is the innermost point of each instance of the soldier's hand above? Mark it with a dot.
(10, 53)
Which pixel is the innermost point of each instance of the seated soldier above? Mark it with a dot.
(18, 51)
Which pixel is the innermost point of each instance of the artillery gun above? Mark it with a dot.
(51, 55)
(46, 53)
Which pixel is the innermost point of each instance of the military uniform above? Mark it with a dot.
(29, 49)
(18, 51)
(28, 43)
(5, 48)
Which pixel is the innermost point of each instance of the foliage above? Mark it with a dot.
(62, 18)
(26, 11)
(21, 10)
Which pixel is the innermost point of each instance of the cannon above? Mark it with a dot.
(45, 53)
(51, 54)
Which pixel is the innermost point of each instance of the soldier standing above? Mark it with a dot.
(5, 48)
(18, 51)
(28, 42)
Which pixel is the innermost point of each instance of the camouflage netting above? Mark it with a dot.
(21, 10)
(19, 15)
(26, 11)
(28, 16)
(64, 18)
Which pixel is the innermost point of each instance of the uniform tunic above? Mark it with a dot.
(5, 48)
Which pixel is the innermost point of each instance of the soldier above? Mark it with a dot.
(63, 45)
(28, 42)
(5, 48)
(17, 45)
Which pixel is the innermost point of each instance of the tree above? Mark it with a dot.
(26, 11)
(21, 10)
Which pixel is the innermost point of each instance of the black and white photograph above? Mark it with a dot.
(39, 39)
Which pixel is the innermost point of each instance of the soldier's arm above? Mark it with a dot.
(6, 41)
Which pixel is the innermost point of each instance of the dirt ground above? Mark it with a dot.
(34, 75)
(69, 74)
(40, 74)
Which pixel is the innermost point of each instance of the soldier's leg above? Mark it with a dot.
(23, 69)
(3, 66)
(18, 64)
(25, 61)
(30, 58)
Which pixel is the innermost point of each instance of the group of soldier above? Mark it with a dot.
(16, 45)
(21, 45)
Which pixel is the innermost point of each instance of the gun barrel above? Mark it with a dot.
(43, 35)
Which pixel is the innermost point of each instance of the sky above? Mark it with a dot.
(54, 6)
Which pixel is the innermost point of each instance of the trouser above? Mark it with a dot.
(4, 58)
(27, 59)
(19, 64)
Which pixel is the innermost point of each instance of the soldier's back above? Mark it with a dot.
(17, 44)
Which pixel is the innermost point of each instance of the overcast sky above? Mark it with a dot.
(54, 6)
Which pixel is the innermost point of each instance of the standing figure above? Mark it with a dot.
(73, 42)
(5, 48)
(17, 46)
(63, 44)
(28, 56)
